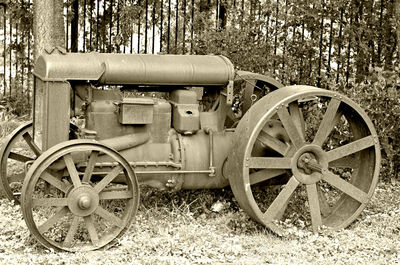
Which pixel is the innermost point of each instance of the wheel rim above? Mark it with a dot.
(79, 213)
(336, 176)
(18, 150)
(249, 88)
(255, 85)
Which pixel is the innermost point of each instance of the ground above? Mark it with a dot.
(182, 228)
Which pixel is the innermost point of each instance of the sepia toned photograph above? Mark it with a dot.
(199, 132)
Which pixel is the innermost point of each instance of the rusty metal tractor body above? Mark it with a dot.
(179, 122)
(151, 119)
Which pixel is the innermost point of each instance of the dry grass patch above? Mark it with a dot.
(181, 228)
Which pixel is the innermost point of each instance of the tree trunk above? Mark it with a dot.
(75, 26)
(397, 16)
(380, 37)
(276, 36)
(222, 16)
(321, 44)
(339, 59)
(390, 35)
(48, 25)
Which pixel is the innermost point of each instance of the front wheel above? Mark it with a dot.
(84, 209)
(18, 150)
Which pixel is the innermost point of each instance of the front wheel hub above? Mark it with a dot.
(83, 200)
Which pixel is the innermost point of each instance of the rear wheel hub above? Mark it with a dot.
(308, 163)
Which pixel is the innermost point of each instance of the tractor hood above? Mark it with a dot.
(135, 69)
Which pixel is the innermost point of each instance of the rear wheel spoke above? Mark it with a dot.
(272, 143)
(345, 187)
(327, 122)
(346, 162)
(290, 127)
(270, 162)
(323, 203)
(281, 200)
(351, 148)
(315, 210)
(265, 174)
(298, 119)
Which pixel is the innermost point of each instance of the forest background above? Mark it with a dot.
(349, 46)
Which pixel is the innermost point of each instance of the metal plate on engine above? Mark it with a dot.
(136, 111)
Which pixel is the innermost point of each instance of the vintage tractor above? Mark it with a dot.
(103, 123)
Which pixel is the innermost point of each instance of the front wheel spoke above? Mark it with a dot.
(46, 176)
(19, 157)
(90, 166)
(115, 195)
(73, 173)
(269, 162)
(94, 237)
(315, 210)
(72, 231)
(345, 187)
(290, 127)
(350, 148)
(108, 178)
(265, 174)
(272, 143)
(328, 121)
(281, 200)
(111, 218)
(49, 202)
(53, 220)
(28, 139)
(298, 119)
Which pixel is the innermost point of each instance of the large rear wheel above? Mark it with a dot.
(304, 154)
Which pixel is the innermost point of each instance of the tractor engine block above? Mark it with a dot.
(157, 131)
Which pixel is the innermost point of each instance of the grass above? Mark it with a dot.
(180, 228)
(6, 127)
